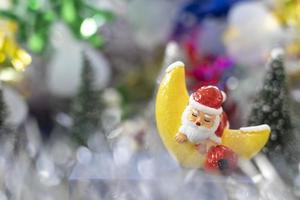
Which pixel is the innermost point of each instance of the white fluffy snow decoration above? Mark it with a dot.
(252, 32)
(64, 70)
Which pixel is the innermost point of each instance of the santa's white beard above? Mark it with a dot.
(196, 134)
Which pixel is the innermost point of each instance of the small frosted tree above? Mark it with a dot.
(270, 105)
(3, 110)
(86, 107)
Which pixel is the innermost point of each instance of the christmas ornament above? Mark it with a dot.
(220, 158)
(193, 13)
(11, 55)
(210, 70)
(178, 116)
(36, 18)
(288, 12)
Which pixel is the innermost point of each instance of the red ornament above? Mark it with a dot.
(220, 159)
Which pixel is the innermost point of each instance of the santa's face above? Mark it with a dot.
(201, 119)
(198, 125)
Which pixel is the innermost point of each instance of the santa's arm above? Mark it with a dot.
(182, 130)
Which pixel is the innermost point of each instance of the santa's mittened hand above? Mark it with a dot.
(180, 138)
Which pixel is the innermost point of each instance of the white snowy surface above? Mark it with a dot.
(145, 177)
(174, 65)
(256, 128)
(163, 179)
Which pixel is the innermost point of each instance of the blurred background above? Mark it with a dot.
(78, 83)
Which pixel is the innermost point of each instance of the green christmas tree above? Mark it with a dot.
(86, 106)
(270, 106)
(3, 110)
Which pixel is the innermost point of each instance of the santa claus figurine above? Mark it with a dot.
(203, 123)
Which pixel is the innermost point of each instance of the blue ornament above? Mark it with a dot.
(195, 11)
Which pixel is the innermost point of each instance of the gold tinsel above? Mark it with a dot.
(288, 12)
(11, 54)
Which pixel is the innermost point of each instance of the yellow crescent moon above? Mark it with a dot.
(171, 100)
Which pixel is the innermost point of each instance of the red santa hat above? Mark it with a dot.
(208, 99)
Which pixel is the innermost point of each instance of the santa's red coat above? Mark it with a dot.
(223, 124)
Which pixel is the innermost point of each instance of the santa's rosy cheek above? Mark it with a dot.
(208, 124)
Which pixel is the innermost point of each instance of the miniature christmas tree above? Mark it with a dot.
(86, 106)
(270, 106)
(2, 110)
